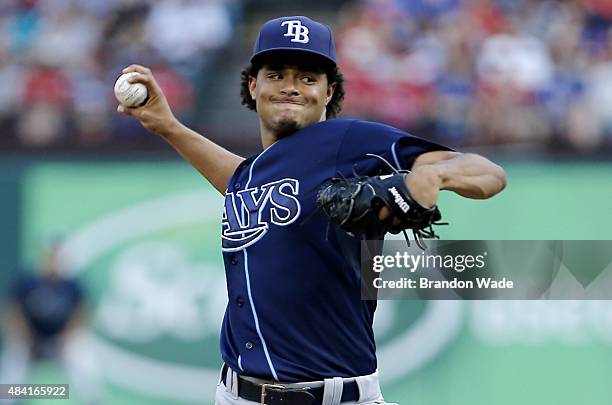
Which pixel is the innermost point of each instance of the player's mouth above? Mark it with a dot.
(288, 101)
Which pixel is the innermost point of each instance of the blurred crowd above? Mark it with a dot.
(462, 71)
(59, 60)
(483, 71)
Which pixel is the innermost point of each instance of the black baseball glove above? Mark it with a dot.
(354, 204)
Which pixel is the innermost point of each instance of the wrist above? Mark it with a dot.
(423, 184)
(433, 175)
(170, 128)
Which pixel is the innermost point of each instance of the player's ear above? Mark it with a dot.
(331, 88)
(252, 86)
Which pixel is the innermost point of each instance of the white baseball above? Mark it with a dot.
(130, 94)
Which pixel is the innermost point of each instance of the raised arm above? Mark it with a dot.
(211, 160)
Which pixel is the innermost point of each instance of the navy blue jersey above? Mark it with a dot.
(295, 311)
(47, 304)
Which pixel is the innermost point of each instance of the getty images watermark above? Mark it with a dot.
(487, 270)
(451, 263)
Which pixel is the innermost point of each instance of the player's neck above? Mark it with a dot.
(269, 136)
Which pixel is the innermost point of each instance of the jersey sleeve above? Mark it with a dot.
(397, 147)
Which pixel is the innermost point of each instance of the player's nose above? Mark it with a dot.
(289, 86)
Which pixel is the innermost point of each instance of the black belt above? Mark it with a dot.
(276, 394)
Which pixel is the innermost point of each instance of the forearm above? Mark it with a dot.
(470, 176)
(211, 160)
(466, 174)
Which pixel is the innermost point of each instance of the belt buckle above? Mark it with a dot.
(264, 387)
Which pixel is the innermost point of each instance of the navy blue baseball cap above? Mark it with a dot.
(297, 33)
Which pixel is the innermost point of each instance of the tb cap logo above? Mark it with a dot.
(296, 30)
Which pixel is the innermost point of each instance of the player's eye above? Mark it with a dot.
(275, 76)
(308, 79)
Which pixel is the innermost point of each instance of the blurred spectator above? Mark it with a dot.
(21, 24)
(47, 96)
(45, 321)
(185, 31)
(513, 68)
(66, 36)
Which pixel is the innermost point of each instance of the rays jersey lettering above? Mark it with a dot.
(249, 213)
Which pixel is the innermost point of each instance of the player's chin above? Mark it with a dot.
(286, 126)
(287, 122)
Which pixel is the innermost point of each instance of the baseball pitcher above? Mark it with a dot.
(296, 330)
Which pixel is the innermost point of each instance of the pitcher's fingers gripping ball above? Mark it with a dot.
(354, 204)
(130, 94)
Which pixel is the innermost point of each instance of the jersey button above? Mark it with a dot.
(248, 345)
(234, 260)
(239, 302)
(237, 186)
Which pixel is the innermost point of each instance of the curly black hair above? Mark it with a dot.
(331, 71)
